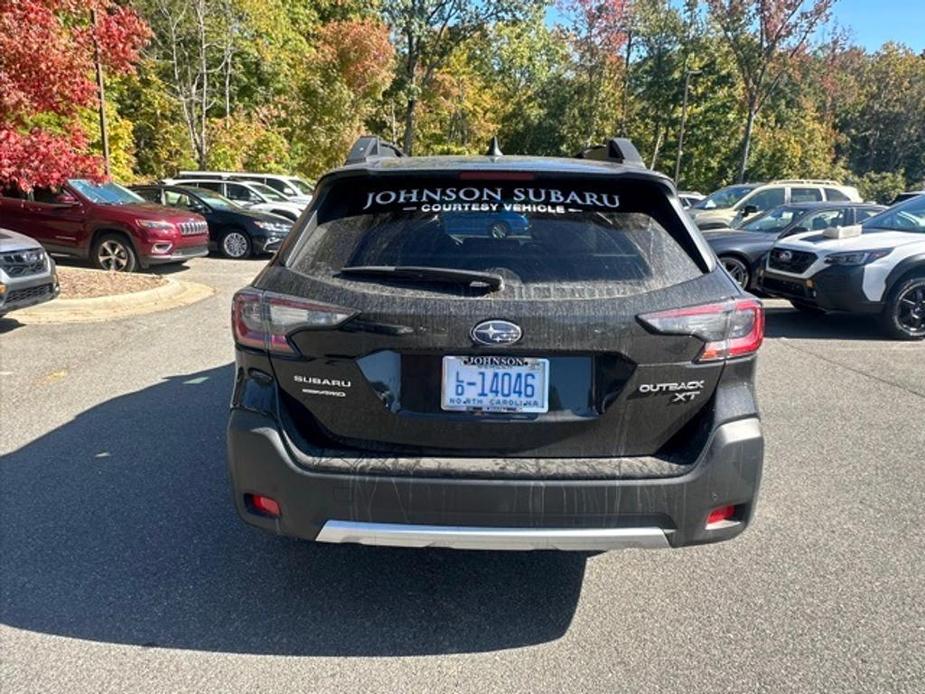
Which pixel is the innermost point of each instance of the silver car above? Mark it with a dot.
(27, 272)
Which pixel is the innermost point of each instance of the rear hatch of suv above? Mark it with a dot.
(492, 314)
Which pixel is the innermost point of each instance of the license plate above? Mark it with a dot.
(495, 384)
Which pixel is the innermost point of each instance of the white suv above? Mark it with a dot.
(292, 188)
(877, 268)
(255, 196)
(733, 204)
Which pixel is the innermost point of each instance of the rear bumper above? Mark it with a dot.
(420, 511)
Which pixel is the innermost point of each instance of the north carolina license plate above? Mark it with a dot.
(495, 384)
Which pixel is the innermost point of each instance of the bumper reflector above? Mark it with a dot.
(262, 505)
(719, 517)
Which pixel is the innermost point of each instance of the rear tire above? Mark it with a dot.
(738, 269)
(903, 317)
(803, 307)
(115, 253)
(235, 244)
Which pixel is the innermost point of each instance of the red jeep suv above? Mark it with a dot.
(112, 226)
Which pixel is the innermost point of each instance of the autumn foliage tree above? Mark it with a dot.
(764, 36)
(428, 31)
(599, 31)
(46, 77)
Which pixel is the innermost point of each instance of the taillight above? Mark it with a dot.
(733, 328)
(262, 320)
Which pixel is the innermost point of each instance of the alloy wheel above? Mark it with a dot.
(113, 255)
(235, 244)
(910, 309)
(738, 270)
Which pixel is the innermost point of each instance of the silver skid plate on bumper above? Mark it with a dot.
(459, 537)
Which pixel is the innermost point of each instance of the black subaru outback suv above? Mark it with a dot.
(585, 381)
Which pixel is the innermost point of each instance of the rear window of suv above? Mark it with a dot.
(588, 237)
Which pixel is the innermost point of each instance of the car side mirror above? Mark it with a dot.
(749, 210)
(66, 198)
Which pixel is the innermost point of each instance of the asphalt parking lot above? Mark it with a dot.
(125, 569)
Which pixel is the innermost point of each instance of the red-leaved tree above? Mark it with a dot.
(600, 29)
(46, 76)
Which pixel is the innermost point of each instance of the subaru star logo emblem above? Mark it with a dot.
(496, 332)
(785, 256)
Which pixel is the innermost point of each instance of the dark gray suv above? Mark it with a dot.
(585, 383)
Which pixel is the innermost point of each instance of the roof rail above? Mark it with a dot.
(813, 181)
(371, 147)
(617, 149)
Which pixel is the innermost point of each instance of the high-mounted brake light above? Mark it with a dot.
(262, 320)
(496, 176)
(730, 329)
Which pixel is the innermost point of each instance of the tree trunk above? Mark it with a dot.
(410, 109)
(624, 112)
(658, 145)
(228, 85)
(204, 103)
(746, 143)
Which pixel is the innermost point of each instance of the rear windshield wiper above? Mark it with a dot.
(427, 274)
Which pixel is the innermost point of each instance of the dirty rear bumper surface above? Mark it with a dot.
(420, 511)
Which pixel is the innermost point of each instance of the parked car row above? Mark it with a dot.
(875, 268)
(109, 225)
(255, 196)
(127, 229)
(737, 203)
(827, 255)
(292, 188)
(743, 248)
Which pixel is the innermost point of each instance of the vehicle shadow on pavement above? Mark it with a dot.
(118, 527)
(8, 324)
(789, 322)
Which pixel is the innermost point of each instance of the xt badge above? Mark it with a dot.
(684, 391)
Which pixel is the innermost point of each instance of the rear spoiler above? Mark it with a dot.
(370, 147)
(617, 149)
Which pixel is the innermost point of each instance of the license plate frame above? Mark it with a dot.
(482, 400)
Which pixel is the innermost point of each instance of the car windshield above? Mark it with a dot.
(774, 220)
(908, 216)
(549, 240)
(300, 185)
(214, 200)
(724, 197)
(267, 192)
(104, 193)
